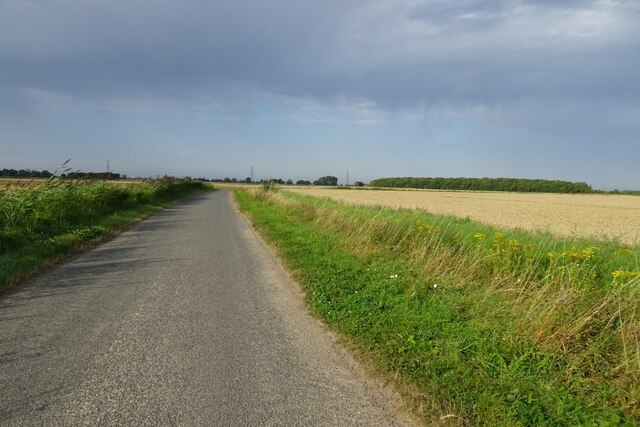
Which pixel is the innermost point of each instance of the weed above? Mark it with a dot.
(269, 186)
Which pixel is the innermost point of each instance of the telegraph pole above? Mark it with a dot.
(252, 174)
(347, 179)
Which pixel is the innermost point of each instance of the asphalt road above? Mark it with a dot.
(186, 319)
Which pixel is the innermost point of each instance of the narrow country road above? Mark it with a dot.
(186, 319)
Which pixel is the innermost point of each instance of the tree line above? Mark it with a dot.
(486, 184)
(324, 180)
(25, 173)
(28, 173)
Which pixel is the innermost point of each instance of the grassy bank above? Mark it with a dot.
(41, 226)
(484, 326)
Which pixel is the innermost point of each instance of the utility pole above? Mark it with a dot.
(251, 174)
(108, 171)
(347, 179)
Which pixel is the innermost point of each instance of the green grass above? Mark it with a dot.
(493, 327)
(42, 226)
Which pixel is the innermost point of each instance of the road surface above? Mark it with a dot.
(186, 319)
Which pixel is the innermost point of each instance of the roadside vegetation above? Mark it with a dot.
(597, 216)
(44, 224)
(478, 326)
(485, 184)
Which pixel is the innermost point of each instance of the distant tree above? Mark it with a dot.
(91, 175)
(289, 182)
(326, 180)
(247, 180)
(303, 182)
(358, 184)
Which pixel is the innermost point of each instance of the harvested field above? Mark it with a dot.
(600, 216)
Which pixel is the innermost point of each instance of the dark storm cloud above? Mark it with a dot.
(149, 43)
(543, 58)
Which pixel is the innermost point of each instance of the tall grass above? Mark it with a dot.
(269, 186)
(43, 221)
(497, 327)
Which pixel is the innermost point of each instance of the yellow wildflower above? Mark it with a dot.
(589, 253)
(622, 274)
(427, 228)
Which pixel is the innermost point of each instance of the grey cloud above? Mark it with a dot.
(184, 47)
(396, 54)
(476, 14)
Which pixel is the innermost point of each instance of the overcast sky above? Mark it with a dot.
(299, 89)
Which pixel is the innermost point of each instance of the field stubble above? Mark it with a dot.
(597, 216)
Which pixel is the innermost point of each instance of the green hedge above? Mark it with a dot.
(485, 184)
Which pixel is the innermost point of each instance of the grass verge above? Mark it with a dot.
(42, 226)
(486, 327)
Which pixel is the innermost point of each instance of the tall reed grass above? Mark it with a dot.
(43, 220)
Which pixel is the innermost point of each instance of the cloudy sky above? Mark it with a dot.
(300, 89)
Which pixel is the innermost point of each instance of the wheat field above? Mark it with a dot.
(600, 216)
(7, 184)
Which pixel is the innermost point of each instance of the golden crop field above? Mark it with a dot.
(567, 215)
(30, 183)
(13, 183)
